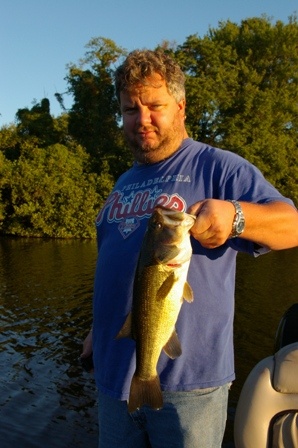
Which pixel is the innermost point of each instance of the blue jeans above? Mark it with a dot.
(194, 419)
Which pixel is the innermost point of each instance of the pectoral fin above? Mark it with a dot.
(187, 292)
(125, 331)
(173, 347)
(166, 287)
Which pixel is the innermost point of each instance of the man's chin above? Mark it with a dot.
(144, 147)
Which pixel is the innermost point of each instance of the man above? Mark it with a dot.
(177, 172)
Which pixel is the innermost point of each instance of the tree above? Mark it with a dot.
(51, 194)
(5, 176)
(37, 122)
(242, 93)
(94, 116)
(10, 142)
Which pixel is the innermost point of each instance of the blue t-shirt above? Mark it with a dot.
(205, 327)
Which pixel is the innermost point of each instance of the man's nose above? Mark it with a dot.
(144, 116)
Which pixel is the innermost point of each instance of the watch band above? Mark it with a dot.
(239, 220)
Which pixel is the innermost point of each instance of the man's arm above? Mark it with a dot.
(273, 225)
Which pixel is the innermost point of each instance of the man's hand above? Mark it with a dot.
(87, 351)
(273, 225)
(214, 221)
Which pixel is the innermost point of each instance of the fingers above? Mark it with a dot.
(195, 208)
(214, 222)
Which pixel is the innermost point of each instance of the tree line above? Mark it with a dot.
(241, 85)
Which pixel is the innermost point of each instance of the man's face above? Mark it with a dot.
(153, 121)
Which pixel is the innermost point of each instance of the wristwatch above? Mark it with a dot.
(239, 220)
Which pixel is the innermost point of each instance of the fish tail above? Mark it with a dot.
(145, 392)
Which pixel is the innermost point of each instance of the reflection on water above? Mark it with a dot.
(265, 288)
(45, 307)
(46, 399)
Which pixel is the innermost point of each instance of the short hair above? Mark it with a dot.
(141, 64)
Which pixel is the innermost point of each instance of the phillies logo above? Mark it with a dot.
(128, 226)
(129, 210)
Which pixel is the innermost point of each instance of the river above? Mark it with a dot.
(46, 400)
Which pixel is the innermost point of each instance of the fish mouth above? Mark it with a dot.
(175, 218)
(174, 265)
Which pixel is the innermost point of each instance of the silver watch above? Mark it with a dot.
(239, 220)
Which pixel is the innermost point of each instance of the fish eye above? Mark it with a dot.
(157, 225)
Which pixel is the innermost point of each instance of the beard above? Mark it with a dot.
(156, 149)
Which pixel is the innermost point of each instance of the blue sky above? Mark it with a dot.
(38, 38)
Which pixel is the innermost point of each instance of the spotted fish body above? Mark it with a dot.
(159, 289)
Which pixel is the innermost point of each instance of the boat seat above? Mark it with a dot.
(267, 410)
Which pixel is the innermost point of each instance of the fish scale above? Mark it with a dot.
(162, 311)
(159, 288)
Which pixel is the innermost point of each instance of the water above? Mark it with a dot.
(46, 400)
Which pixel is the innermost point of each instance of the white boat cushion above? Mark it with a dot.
(285, 376)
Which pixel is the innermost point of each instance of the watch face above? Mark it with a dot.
(240, 226)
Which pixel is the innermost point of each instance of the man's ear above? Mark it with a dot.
(182, 106)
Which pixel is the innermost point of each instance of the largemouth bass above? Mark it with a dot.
(159, 289)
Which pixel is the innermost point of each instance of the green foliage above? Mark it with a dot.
(5, 176)
(37, 122)
(51, 195)
(242, 95)
(94, 115)
(10, 142)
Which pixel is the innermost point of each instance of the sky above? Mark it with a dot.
(39, 38)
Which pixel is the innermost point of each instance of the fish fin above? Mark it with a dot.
(173, 347)
(187, 292)
(125, 331)
(145, 392)
(166, 287)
